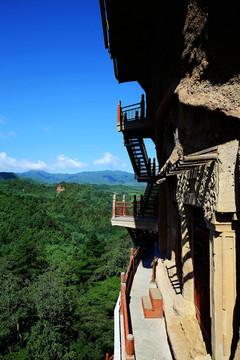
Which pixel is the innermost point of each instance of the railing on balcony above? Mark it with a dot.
(124, 208)
(131, 112)
(126, 282)
(135, 208)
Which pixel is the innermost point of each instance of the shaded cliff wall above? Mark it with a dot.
(193, 79)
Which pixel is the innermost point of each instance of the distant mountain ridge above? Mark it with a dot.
(108, 177)
(7, 175)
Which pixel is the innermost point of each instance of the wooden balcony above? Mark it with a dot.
(135, 214)
(132, 118)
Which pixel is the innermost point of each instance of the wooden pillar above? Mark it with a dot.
(222, 289)
(114, 206)
(124, 205)
(119, 113)
(134, 206)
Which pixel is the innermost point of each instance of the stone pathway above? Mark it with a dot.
(149, 334)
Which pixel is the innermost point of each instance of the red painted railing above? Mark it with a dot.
(133, 208)
(126, 281)
(124, 208)
(131, 112)
(109, 358)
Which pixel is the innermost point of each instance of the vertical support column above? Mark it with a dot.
(119, 113)
(187, 257)
(114, 206)
(134, 206)
(223, 289)
(124, 205)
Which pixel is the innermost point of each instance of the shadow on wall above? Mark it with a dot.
(172, 275)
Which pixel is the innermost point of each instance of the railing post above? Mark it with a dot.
(130, 345)
(134, 206)
(132, 261)
(124, 205)
(119, 113)
(136, 115)
(154, 167)
(114, 206)
(142, 107)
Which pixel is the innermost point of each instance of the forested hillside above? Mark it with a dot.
(60, 262)
(108, 177)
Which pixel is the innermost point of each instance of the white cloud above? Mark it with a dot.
(7, 163)
(110, 160)
(65, 162)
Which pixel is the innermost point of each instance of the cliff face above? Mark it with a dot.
(195, 85)
(210, 58)
(195, 50)
(185, 55)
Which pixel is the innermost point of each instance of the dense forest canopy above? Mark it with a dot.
(60, 262)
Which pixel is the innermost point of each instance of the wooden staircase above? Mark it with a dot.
(148, 202)
(153, 305)
(138, 155)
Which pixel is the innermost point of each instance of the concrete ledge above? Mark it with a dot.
(135, 223)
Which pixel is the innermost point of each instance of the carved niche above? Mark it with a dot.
(198, 187)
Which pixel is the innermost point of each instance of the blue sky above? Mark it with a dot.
(58, 93)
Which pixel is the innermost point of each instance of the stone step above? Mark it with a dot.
(156, 298)
(146, 303)
(152, 304)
